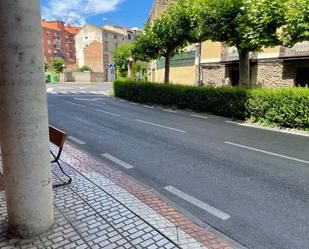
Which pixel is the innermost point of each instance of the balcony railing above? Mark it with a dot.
(298, 50)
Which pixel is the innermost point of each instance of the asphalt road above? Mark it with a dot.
(250, 184)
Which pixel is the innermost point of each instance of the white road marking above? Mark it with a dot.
(148, 106)
(50, 90)
(168, 110)
(267, 128)
(267, 152)
(117, 161)
(76, 140)
(72, 103)
(209, 209)
(133, 103)
(91, 99)
(109, 113)
(158, 125)
(93, 92)
(199, 116)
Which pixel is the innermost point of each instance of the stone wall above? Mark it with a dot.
(82, 77)
(214, 75)
(264, 73)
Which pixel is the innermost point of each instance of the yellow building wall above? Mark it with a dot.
(211, 50)
(178, 75)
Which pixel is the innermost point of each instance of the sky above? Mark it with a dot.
(127, 13)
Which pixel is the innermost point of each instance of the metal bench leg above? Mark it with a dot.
(60, 167)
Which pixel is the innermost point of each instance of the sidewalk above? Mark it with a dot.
(102, 208)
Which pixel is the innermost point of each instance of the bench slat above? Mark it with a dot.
(57, 136)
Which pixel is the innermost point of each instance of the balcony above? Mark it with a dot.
(300, 49)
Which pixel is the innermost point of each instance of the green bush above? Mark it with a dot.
(286, 107)
(84, 68)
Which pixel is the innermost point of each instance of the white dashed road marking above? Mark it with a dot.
(267, 152)
(117, 161)
(76, 140)
(209, 209)
(158, 125)
(198, 116)
(168, 110)
(109, 113)
(76, 104)
(148, 106)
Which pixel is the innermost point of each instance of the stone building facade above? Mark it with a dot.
(217, 65)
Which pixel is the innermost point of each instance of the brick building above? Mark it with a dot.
(58, 41)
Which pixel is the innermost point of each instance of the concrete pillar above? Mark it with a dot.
(24, 120)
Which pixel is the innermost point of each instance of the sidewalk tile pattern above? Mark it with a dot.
(87, 217)
(175, 225)
(102, 208)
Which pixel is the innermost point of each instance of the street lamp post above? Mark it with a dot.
(24, 120)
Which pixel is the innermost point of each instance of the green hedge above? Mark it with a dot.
(286, 107)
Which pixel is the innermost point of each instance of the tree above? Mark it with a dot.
(247, 25)
(167, 36)
(58, 65)
(45, 66)
(122, 56)
(296, 28)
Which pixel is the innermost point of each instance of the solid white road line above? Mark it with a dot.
(148, 106)
(168, 110)
(198, 116)
(133, 103)
(267, 152)
(76, 140)
(91, 99)
(267, 128)
(72, 103)
(109, 113)
(93, 92)
(117, 161)
(158, 125)
(209, 209)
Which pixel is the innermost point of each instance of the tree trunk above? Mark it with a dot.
(244, 68)
(24, 120)
(167, 69)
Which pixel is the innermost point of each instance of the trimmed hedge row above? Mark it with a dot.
(285, 107)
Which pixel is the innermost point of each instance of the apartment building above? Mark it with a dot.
(58, 41)
(217, 65)
(95, 46)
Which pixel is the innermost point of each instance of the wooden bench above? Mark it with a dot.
(58, 137)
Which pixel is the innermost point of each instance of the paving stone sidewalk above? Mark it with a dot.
(103, 208)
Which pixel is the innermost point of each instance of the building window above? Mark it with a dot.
(105, 46)
(106, 34)
(48, 42)
(115, 36)
(106, 59)
(49, 51)
(129, 37)
(47, 33)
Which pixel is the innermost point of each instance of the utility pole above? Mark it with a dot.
(24, 120)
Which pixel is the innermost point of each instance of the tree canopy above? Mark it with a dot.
(58, 65)
(296, 27)
(121, 57)
(247, 25)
